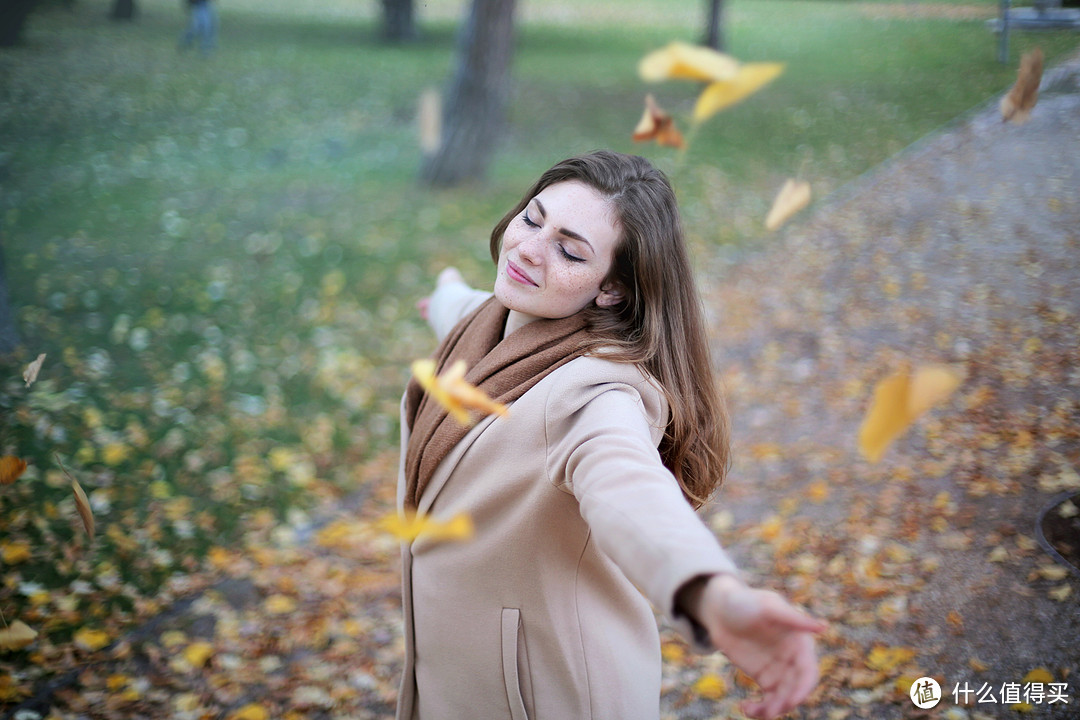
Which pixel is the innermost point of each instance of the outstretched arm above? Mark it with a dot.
(764, 635)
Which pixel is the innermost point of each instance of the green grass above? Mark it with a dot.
(221, 255)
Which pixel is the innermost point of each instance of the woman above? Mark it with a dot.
(582, 496)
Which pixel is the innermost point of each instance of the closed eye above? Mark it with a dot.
(568, 256)
(530, 223)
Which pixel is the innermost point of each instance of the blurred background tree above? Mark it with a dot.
(123, 10)
(714, 31)
(475, 107)
(399, 23)
(13, 14)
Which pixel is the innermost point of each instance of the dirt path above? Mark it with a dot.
(964, 249)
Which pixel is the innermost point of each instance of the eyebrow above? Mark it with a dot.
(563, 231)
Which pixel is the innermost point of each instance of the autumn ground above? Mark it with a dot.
(227, 329)
(964, 249)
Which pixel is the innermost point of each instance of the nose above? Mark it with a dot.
(531, 249)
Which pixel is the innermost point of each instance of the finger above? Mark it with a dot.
(803, 677)
(794, 618)
(752, 708)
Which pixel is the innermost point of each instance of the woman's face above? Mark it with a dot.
(556, 253)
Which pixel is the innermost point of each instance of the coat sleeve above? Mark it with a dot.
(450, 303)
(602, 446)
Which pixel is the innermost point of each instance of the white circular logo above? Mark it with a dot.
(925, 693)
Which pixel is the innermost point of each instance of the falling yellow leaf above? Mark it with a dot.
(1016, 107)
(117, 681)
(30, 374)
(657, 125)
(91, 640)
(899, 400)
(279, 604)
(16, 636)
(251, 711)
(931, 385)
(682, 61)
(82, 504)
(721, 95)
(793, 197)
(198, 653)
(11, 468)
(710, 686)
(410, 526)
(453, 392)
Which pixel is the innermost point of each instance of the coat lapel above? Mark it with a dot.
(446, 467)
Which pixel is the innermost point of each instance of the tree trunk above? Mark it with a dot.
(714, 35)
(475, 110)
(12, 20)
(123, 10)
(9, 338)
(399, 24)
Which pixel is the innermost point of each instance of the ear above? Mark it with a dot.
(610, 296)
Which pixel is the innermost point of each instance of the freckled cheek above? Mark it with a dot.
(580, 281)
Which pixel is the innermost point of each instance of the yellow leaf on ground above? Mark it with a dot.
(710, 686)
(91, 640)
(1051, 571)
(888, 658)
(672, 652)
(278, 604)
(251, 711)
(410, 526)
(1061, 594)
(818, 491)
(721, 95)
(11, 468)
(793, 197)
(656, 124)
(1038, 675)
(16, 636)
(198, 653)
(13, 553)
(682, 61)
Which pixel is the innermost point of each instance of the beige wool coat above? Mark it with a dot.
(545, 614)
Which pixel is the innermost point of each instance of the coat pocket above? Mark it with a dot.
(515, 663)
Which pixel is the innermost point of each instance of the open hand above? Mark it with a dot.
(448, 275)
(766, 637)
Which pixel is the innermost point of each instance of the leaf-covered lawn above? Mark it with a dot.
(220, 258)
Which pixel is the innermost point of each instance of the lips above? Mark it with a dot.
(519, 275)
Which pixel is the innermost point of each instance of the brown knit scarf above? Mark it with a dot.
(504, 369)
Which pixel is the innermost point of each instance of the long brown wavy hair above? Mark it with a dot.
(659, 323)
